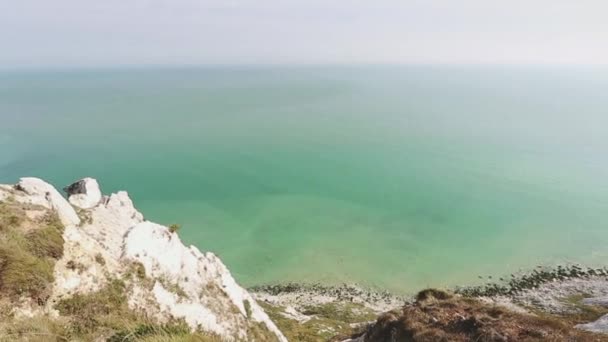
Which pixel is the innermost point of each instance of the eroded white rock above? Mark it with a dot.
(199, 278)
(84, 193)
(36, 191)
(599, 326)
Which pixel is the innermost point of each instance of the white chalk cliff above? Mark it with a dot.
(107, 238)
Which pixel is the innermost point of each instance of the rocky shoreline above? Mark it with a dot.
(301, 294)
(573, 292)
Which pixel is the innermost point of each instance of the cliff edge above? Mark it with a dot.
(91, 256)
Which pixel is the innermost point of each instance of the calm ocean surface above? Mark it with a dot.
(396, 177)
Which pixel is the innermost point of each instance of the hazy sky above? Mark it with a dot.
(60, 33)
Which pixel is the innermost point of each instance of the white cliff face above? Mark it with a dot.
(37, 191)
(106, 237)
(198, 276)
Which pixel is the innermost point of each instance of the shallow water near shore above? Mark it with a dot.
(393, 177)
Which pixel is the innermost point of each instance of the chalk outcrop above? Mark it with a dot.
(598, 326)
(38, 192)
(106, 238)
(84, 194)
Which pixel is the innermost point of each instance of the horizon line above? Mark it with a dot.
(185, 66)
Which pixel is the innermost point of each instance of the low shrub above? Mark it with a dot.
(46, 242)
(106, 313)
(149, 329)
(10, 216)
(428, 294)
(247, 306)
(35, 329)
(174, 228)
(86, 310)
(99, 259)
(22, 273)
(28, 252)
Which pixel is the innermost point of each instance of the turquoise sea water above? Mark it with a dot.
(397, 177)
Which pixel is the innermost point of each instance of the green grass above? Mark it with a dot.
(173, 228)
(106, 313)
(10, 215)
(177, 331)
(28, 251)
(330, 321)
(46, 242)
(92, 310)
(44, 329)
(8, 221)
(22, 273)
(36, 329)
(341, 312)
(583, 313)
(247, 306)
(172, 287)
(198, 337)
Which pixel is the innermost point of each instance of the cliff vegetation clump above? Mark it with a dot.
(30, 243)
(438, 316)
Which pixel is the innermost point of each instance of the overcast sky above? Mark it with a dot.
(60, 33)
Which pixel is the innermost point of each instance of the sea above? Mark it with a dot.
(390, 177)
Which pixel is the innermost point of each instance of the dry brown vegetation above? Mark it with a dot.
(329, 321)
(103, 315)
(438, 316)
(29, 248)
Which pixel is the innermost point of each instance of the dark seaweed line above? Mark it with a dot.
(532, 280)
(340, 292)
